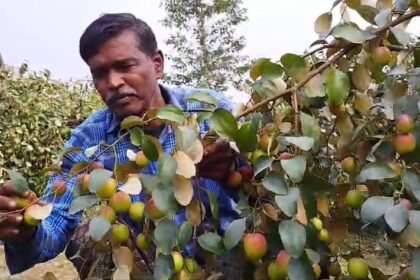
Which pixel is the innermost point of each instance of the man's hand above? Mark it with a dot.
(12, 227)
(217, 160)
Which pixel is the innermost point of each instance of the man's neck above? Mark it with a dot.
(161, 98)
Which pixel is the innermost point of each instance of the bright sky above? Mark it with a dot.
(45, 33)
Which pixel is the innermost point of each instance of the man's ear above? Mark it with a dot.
(158, 61)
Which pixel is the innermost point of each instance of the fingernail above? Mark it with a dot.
(15, 231)
(12, 204)
(19, 219)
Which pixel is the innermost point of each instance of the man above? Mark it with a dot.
(126, 65)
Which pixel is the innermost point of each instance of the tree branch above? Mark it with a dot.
(324, 66)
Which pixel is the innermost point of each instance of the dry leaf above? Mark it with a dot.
(362, 103)
(193, 212)
(301, 212)
(195, 151)
(40, 212)
(285, 127)
(121, 273)
(183, 190)
(270, 211)
(344, 125)
(133, 185)
(123, 258)
(185, 165)
(360, 77)
(337, 228)
(323, 205)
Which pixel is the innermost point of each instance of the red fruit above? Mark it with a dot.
(255, 246)
(285, 155)
(282, 260)
(59, 187)
(405, 143)
(246, 173)
(153, 212)
(95, 165)
(404, 123)
(406, 203)
(234, 179)
(120, 202)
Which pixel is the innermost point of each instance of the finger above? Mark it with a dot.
(219, 145)
(8, 232)
(8, 190)
(11, 220)
(218, 159)
(7, 204)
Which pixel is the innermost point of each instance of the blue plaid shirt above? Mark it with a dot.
(54, 232)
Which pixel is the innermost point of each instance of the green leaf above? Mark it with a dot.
(19, 183)
(165, 236)
(82, 203)
(233, 233)
(203, 116)
(131, 121)
(375, 171)
(303, 142)
(323, 23)
(401, 6)
(256, 68)
(315, 183)
(396, 217)
(247, 138)
(414, 219)
(293, 237)
(412, 183)
(171, 113)
(375, 207)
(367, 12)
(149, 148)
(270, 70)
(185, 137)
(164, 199)
(97, 178)
(203, 97)
(300, 269)
(163, 268)
(214, 205)
(184, 235)
(149, 181)
(288, 203)
(211, 242)
(337, 86)
(401, 35)
(416, 262)
(350, 32)
(313, 255)
(294, 65)
(167, 167)
(261, 164)
(294, 167)
(98, 227)
(224, 124)
(383, 17)
(275, 183)
(406, 105)
(136, 136)
(310, 126)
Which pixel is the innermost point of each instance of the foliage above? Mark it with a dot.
(206, 52)
(36, 115)
(333, 137)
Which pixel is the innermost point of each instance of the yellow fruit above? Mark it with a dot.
(354, 199)
(256, 155)
(358, 268)
(21, 202)
(141, 159)
(317, 270)
(274, 271)
(178, 261)
(120, 202)
(191, 265)
(136, 211)
(108, 189)
(317, 223)
(120, 233)
(108, 213)
(324, 236)
(142, 242)
(349, 165)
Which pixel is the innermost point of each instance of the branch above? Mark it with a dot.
(324, 66)
(320, 48)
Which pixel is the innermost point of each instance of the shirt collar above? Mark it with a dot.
(169, 96)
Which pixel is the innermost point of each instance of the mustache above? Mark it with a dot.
(114, 96)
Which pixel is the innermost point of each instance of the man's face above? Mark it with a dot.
(125, 77)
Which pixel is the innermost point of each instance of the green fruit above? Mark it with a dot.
(191, 265)
(120, 202)
(382, 55)
(255, 246)
(108, 189)
(141, 159)
(317, 270)
(274, 271)
(317, 223)
(136, 211)
(358, 268)
(178, 261)
(354, 199)
(256, 155)
(349, 165)
(120, 233)
(142, 242)
(324, 236)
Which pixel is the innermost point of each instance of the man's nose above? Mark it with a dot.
(115, 80)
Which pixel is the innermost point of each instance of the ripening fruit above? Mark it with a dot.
(255, 246)
(183, 275)
(349, 165)
(324, 235)
(266, 141)
(120, 202)
(317, 270)
(282, 260)
(317, 223)
(256, 155)
(404, 143)
(354, 199)
(141, 159)
(334, 269)
(363, 189)
(21, 202)
(142, 242)
(337, 110)
(83, 182)
(381, 55)
(120, 233)
(95, 165)
(178, 261)
(410, 274)
(191, 265)
(406, 203)
(27, 216)
(136, 211)
(358, 268)
(404, 123)
(152, 211)
(108, 189)
(234, 179)
(246, 173)
(274, 272)
(108, 213)
(59, 187)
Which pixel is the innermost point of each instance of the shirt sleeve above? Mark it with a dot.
(53, 233)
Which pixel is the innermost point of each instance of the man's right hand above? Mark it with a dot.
(12, 226)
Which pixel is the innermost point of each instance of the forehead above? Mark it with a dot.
(121, 47)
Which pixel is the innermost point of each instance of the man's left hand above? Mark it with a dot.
(217, 161)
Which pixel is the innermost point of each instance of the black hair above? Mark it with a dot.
(110, 25)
